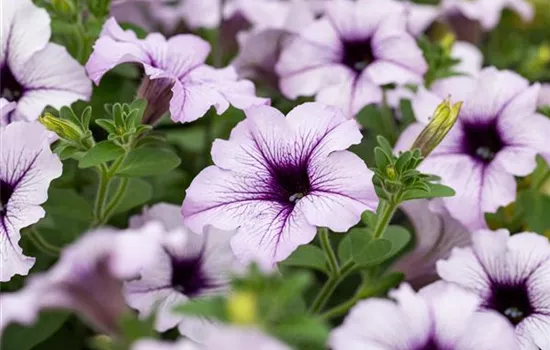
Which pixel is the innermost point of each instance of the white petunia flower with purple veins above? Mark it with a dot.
(486, 12)
(278, 178)
(27, 166)
(511, 275)
(544, 97)
(176, 76)
(186, 266)
(33, 72)
(227, 337)
(347, 56)
(437, 233)
(440, 317)
(87, 278)
(496, 138)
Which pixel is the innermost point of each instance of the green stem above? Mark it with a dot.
(385, 213)
(117, 198)
(43, 245)
(339, 310)
(329, 252)
(330, 285)
(102, 189)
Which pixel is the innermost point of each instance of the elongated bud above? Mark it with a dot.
(65, 129)
(242, 307)
(444, 118)
(64, 7)
(447, 42)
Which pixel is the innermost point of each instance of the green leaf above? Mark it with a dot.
(302, 332)
(137, 193)
(103, 152)
(107, 125)
(211, 307)
(375, 252)
(133, 328)
(436, 190)
(535, 208)
(65, 202)
(309, 256)
(369, 218)
(382, 159)
(147, 161)
(25, 338)
(345, 250)
(364, 250)
(399, 237)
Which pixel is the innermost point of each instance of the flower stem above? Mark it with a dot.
(117, 198)
(102, 189)
(43, 245)
(340, 309)
(329, 252)
(385, 213)
(330, 285)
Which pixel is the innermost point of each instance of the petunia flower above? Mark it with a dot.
(437, 233)
(347, 56)
(176, 76)
(274, 24)
(496, 138)
(227, 337)
(87, 278)
(33, 72)
(511, 276)
(486, 12)
(27, 166)
(440, 316)
(186, 266)
(278, 178)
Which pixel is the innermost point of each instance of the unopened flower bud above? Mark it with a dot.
(447, 42)
(65, 129)
(242, 307)
(64, 7)
(444, 118)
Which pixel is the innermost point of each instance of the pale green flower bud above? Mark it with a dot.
(242, 307)
(65, 129)
(444, 118)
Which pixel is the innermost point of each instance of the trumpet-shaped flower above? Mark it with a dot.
(177, 77)
(87, 278)
(497, 136)
(27, 166)
(437, 233)
(33, 72)
(186, 266)
(511, 276)
(278, 178)
(486, 12)
(345, 57)
(441, 316)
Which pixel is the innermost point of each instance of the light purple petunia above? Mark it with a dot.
(186, 266)
(227, 337)
(441, 316)
(87, 278)
(512, 276)
(496, 138)
(175, 71)
(345, 57)
(544, 97)
(33, 72)
(437, 233)
(278, 178)
(486, 12)
(27, 166)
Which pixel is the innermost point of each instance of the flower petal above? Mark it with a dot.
(340, 192)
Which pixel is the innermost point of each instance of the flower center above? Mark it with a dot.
(6, 190)
(188, 276)
(357, 54)
(290, 182)
(511, 301)
(482, 141)
(10, 89)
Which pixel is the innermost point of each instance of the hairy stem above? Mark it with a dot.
(117, 198)
(385, 213)
(329, 252)
(330, 285)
